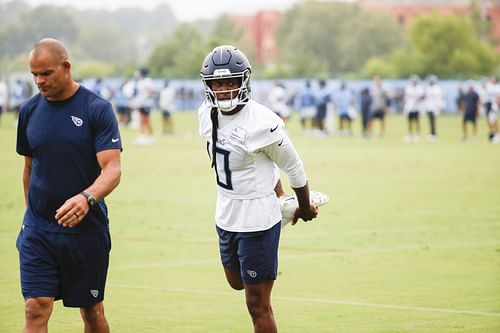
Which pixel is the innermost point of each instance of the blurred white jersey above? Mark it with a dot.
(434, 101)
(413, 98)
(248, 144)
(277, 101)
(166, 101)
(493, 91)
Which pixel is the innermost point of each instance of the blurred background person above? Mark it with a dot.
(4, 96)
(492, 108)
(306, 104)
(322, 101)
(121, 99)
(379, 107)
(365, 105)
(434, 104)
(18, 95)
(278, 101)
(344, 102)
(167, 106)
(414, 97)
(143, 101)
(470, 111)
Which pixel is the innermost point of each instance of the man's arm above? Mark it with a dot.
(109, 161)
(286, 158)
(306, 211)
(26, 177)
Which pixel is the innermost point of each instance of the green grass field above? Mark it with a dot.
(410, 241)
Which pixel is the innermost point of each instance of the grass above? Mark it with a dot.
(410, 241)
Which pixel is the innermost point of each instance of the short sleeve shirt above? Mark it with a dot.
(63, 138)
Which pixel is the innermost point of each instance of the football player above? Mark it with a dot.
(245, 140)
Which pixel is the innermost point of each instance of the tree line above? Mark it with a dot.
(315, 39)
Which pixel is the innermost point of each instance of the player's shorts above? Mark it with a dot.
(124, 110)
(470, 117)
(166, 114)
(413, 115)
(253, 254)
(345, 116)
(71, 267)
(378, 114)
(145, 110)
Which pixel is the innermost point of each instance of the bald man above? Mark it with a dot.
(71, 145)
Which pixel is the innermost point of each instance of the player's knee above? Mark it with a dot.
(37, 309)
(258, 310)
(94, 315)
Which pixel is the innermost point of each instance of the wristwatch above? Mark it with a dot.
(90, 198)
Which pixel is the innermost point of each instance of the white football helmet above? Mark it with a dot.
(225, 62)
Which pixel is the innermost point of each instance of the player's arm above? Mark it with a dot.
(278, 189)
(26, 177)
(109, 161)
(283, 153)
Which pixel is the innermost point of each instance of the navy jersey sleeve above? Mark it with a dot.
(105, 128)
(22, 144)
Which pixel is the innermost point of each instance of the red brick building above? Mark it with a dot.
(259, 28)
(259, 32)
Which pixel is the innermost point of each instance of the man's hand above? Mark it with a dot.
(72, 212)
(305, 214)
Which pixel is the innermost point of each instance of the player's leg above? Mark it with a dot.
(84, 267)
(234, 278)
(37, 311)
(258, 255)
(258, 300)
(228, 247)
(39, 277)
(94, 319)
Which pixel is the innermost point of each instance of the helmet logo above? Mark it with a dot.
(222, 71)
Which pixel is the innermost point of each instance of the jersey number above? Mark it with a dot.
(222, 172)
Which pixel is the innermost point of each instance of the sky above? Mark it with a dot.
(184, 10)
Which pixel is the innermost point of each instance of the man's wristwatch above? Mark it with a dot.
(90, 198)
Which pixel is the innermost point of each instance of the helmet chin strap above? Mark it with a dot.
(228, 104)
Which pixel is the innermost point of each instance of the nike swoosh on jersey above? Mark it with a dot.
(280, 143)
(274, 129)
(115, 140)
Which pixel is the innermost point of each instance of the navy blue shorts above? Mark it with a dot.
(67, 266)
(253, 254)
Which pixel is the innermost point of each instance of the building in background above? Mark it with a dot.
(259, 29)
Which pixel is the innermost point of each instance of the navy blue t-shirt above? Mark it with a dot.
(471, 99)
(62, 138)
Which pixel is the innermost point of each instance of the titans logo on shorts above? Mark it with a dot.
(71, 267)
(253, 254)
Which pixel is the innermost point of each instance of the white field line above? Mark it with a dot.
(319, 301)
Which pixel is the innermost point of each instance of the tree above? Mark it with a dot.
(179, 56)
(448, 46)
(325, 38)
(42, 21)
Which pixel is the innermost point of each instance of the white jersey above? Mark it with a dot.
(166, 101)
(434, 101)
(145, 90)
(249, 144)
(277, 101)
(413, 98)
(4, 93)
(493, 91)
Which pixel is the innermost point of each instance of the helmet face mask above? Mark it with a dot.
(225, 63)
